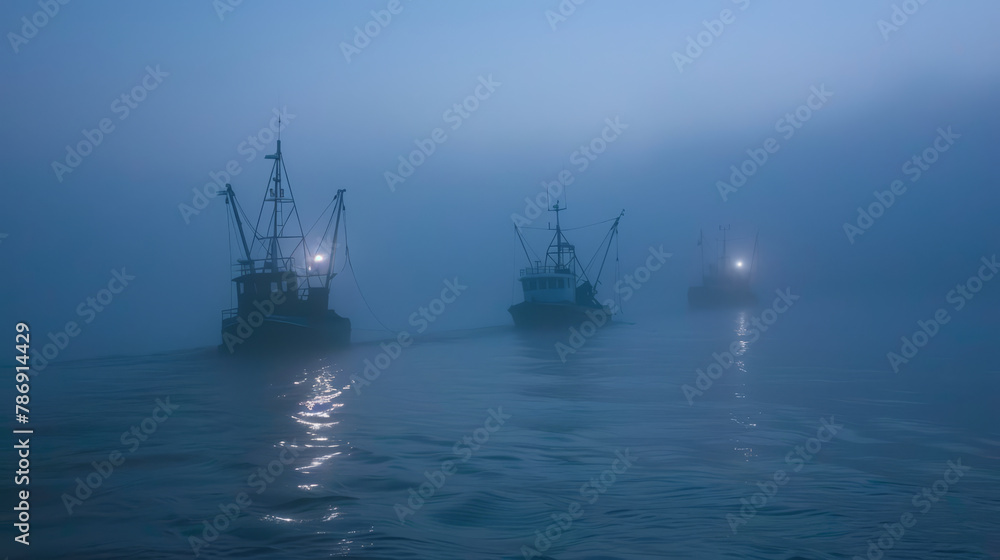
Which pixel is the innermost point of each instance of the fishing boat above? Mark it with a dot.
(281, 282)
(557, 291)
(725, 283)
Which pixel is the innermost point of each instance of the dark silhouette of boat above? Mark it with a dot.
(725, 284)
(557, 291)
(281, 283)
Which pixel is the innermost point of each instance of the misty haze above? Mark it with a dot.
(553, 279)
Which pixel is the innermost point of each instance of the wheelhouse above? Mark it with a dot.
(548, 284)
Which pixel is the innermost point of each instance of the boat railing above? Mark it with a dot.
(229, 313)
(545, 270)
(260, 266)
(263, 266)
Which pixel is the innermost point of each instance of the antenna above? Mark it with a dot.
(559, 244)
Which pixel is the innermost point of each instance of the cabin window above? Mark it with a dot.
(560, 283)
(545, 284)
(284, 286)
(529, 284)
(242, 288)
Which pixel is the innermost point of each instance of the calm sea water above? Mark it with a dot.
(550, 481)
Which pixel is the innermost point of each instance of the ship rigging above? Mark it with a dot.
(281, 282)
(557, 289)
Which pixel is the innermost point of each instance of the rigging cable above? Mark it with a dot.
(298, 219)
(260, 214)
(513, 280)
(618, 273)
(573, 228)
(229, 238)
(527, 248)
(347, 254)
(246, 218)
(523, 246)
(306, 234)
(598, 252)
(321, 214)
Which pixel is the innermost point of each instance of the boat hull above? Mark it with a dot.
(554, 315)
(280, 333)
(704, 297)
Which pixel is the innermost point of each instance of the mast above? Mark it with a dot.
(275, 195)
(556, 209)
(560, 244)
(336, 232)
(275, 254)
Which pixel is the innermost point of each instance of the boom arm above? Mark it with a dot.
(231, 200)
(614, 230)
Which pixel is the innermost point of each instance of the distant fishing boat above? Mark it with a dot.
(556, 289)
(725, 284)
(281, 283)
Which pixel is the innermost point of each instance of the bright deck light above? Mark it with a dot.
(739, 264)
(318, 258)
